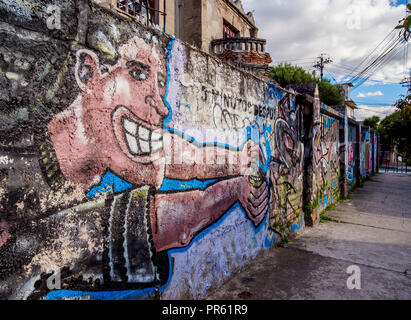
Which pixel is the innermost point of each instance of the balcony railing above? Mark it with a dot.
(143, 10)
(238, 44)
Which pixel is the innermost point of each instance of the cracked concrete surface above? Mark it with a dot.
(374, 234)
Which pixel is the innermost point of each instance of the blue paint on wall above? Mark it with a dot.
(295, 227)
(110, 183)
(269, 241)
(176, 185)
(273, 91)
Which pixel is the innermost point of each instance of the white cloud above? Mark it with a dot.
(364, 112)
(347, 30)
(370, 94)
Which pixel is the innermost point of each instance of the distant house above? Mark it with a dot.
(350, 106)
(219, 27)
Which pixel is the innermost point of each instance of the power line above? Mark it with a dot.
(331, 75)
(364, 61)
(378, 60)
(378, 64)
(292, 60)
(342, 66)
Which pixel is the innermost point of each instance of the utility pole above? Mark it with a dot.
(407, 83)
(321, 62)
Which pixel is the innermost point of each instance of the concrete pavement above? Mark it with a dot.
(374, 234)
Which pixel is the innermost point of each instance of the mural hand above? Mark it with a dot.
(251, 155)
(255, 198)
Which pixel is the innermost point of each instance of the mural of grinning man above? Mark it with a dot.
(115, 126)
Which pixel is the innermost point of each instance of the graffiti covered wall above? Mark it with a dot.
(365, 152)
(326, 154)
(132, 165)
(351, 174)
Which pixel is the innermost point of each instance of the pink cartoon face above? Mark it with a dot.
(138, 115)
(117, 120)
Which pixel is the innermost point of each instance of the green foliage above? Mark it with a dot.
(286, 74)
(329, 93)
(315, 204)
(324, 218)
(405, 25)
(372, 122)
(284, 241)
(396, 127)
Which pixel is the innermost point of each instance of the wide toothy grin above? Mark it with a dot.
(141, 141)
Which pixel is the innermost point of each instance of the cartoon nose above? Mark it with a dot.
(158, 104)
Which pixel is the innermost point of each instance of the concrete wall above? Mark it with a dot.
(361, 153)
(133, 165)
(352, 155)
(368, 143)
(326, 163)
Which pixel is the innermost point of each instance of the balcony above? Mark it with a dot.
(246, 53)
(238, 44)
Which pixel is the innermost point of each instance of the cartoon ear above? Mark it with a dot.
(86, 69)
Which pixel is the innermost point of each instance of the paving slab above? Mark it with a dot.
(293, 274)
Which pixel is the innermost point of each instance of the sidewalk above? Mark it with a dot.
(374, 234)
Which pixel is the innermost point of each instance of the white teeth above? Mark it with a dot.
(156, 135)
(143, 133)
(145, 147)
(130, 126)
(156, 146)
(141, 140)
(132, 143)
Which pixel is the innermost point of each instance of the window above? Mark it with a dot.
(229, 31)
(147, 9)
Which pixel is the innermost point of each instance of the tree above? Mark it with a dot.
(372, 122)
(286, 74)
(405, 25)
(329, 93)
(396, 128)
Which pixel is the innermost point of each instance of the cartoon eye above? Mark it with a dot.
(138, 74)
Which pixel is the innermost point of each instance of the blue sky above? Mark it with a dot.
(298, 31)
(398, 2)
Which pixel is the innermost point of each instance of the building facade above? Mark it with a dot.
(218, 27)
